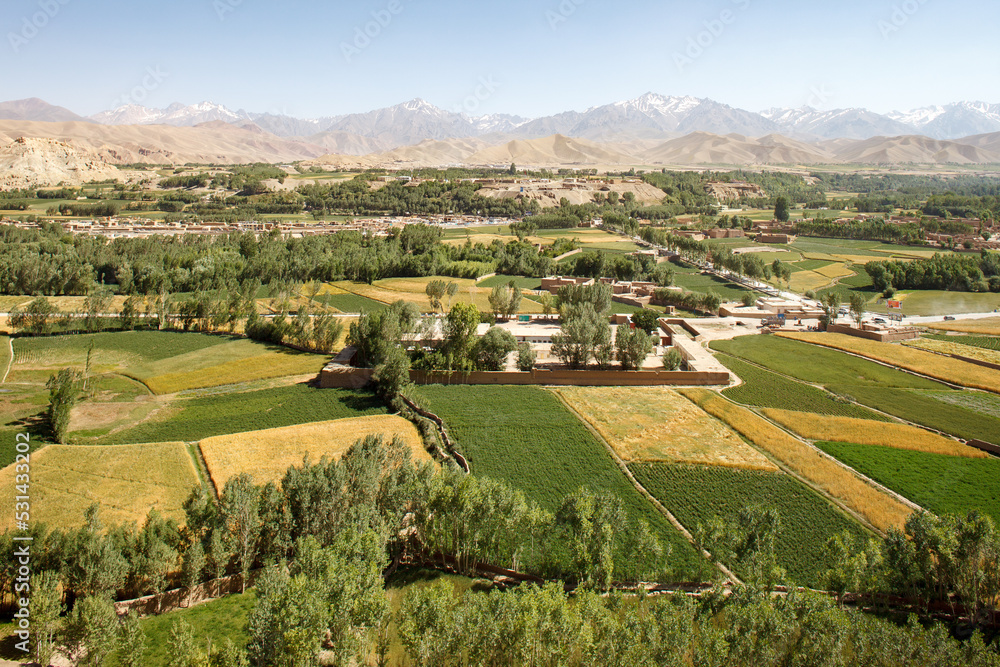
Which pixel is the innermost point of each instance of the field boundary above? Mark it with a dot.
(645, 493)
(10, 362)
(204, 474)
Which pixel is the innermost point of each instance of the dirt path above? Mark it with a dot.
(642, 490)
(10, 362)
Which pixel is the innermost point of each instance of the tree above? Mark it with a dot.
(525, 357)
(129, 315)
(133, 641)
(36, 317)
(46, 607)
(459, 331)
(491, 350)
(392, 375)
(748, 299)
(375, 333)
(95, 306)
(513, 169)
(92, 630)
(672, 359)
(181, 649)
(781, 213)
(193, 565)
(647, 320)
(858, 305)
(583, 331)
(831, 303)
(593, 522)
(633, 346)
(662, 275)
(523, 229)
(749, 541)
(435, 290)
(63, 395)
(240, 510)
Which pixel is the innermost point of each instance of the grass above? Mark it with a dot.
(954, 347)
(202, 417)
(816, 364)
(935, 302)
(696, 494)
(939, 483)
(268, 454)
(764, 389)
(880, 510)
(933, 365)
(659, 425)
(981, 402)
(127, 481)
(929, 410)
(696, 282)
(217, 621)
(525, 437)
(867, 432)
(989, 326)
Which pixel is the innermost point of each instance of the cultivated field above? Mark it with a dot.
(866, 432)
(937, 302)
(985, 327)
(955, 347)
(697, 494)
(268, 454)
(879, 509)
(764, 389)
(527, 438)
(199, 417)
(412, 290)
(127, 481)
(950, 370)
(657, 424)
(939, 483)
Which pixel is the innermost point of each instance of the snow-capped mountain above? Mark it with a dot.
(953, 120)
(836, 124)
(176, 114)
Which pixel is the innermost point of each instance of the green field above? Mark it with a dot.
(763, 389)
(818, 365)
(525, 436)
(694, 281)
(939, 483)
(811, 265)
(351, 303)
(927, 410)
(934, 302)
(193, 419)
(977, 401)
(696, 494)
(983, 342)
(520, 281)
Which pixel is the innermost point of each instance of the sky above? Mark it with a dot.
(309, 58)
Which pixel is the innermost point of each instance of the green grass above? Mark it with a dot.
(150, 346)
(818, 365)
(811, 265)
(697, 282)
(939, 483)
(223, 414)
(520, 281)
(696, 494)
(935, 302)
(351, 303)
(983, 342)
(927, 410)
(525, 437)
(217, 620)
(763, 389)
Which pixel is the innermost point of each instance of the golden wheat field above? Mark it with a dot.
(125, 480)
(263, 367)
(651, 424)
(948, 347)
(867, 432)
(920, 361)
(268, 454)
(412, 290)
(879, 509)
(987, 327)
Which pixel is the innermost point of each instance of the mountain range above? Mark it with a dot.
(648, 131)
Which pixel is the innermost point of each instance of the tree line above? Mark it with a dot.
(961, 273)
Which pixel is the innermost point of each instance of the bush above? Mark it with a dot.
(672, 359)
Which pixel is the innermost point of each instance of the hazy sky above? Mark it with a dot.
(528, 57)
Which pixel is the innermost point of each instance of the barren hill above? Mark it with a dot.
(550, 151)
(26, 163)
(916, 150)
(706, 148)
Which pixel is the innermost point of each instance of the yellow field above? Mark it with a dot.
(880, 510)
(657, 424)
(412, 290)
(806, 281)
(942, 368)
(986, 327)
(835, 271)
(268, 454)
(867, 432)
(261, 367)
(126, 480)
(947, 347)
